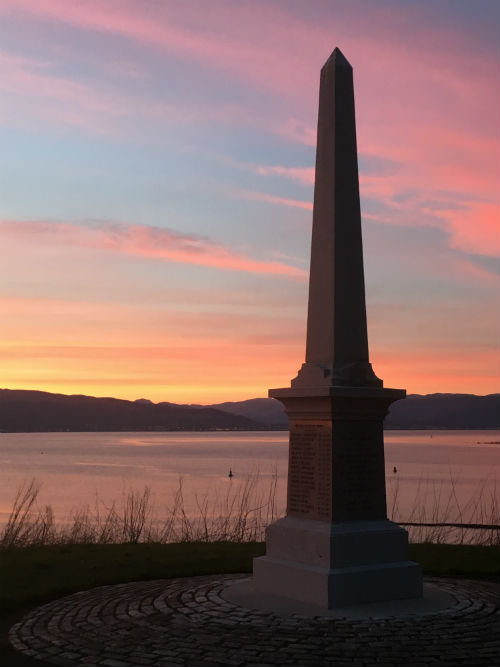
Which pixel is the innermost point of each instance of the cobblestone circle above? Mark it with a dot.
(186, 622)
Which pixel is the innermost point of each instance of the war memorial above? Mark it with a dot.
(336, 546)
(336, 586)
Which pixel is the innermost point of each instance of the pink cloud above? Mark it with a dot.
(272, 199)
(471, 226)
(440, 62)
(437, 156)
(437, 58)
(423, 101)
(33, 90)
(474, 229)
(177, 30)
(269, 63)
(210, 37)
(148, 241)
(304, 175)
(456, 171)
(57, 98)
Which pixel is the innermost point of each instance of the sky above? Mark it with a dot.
(156, 187)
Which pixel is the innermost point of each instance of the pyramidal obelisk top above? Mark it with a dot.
(337, 340)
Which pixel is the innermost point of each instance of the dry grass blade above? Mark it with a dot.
(137, 511)
(19, 528)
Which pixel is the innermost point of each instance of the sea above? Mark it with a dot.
(431, 475)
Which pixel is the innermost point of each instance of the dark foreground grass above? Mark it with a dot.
(34, 575)
(458, 560)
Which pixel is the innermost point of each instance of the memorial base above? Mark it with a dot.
(333, 565)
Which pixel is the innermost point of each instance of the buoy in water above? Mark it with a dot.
(230, 474)
(394, 469)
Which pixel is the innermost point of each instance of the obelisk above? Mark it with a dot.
(335, 546)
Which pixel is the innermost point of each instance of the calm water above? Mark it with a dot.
(74, 467)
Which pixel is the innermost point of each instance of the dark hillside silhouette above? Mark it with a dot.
(25, 411)
(431, 411)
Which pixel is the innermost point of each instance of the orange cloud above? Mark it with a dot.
(227, 370)
(146, 349)
(148, 241)
(439, 369)
(135, 350)
(201, 371)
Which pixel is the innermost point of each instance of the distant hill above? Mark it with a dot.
(431, 411)
(453, 411)
(26, 411)
(264, 410)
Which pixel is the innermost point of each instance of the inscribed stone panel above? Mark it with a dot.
(310, 470)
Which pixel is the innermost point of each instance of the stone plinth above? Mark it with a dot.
(337, 565)
(336, 547)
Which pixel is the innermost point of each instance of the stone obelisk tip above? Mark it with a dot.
(337, 59)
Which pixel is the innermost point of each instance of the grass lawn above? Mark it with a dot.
(456, 560)
(35, 575)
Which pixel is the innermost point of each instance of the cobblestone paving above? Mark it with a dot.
(186, 622)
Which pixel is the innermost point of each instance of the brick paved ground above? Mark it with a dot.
(186, 622)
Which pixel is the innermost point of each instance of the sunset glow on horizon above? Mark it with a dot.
(157, 184)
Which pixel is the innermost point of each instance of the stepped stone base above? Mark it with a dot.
(333, 565)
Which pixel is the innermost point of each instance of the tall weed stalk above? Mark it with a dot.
(438, 515)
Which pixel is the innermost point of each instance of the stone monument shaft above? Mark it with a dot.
(336, 545)
(336, 331)
(337, 339)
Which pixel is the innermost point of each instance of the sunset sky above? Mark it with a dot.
(156, 185)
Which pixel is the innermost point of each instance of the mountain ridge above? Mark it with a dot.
(38, 411)
(416, 411)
